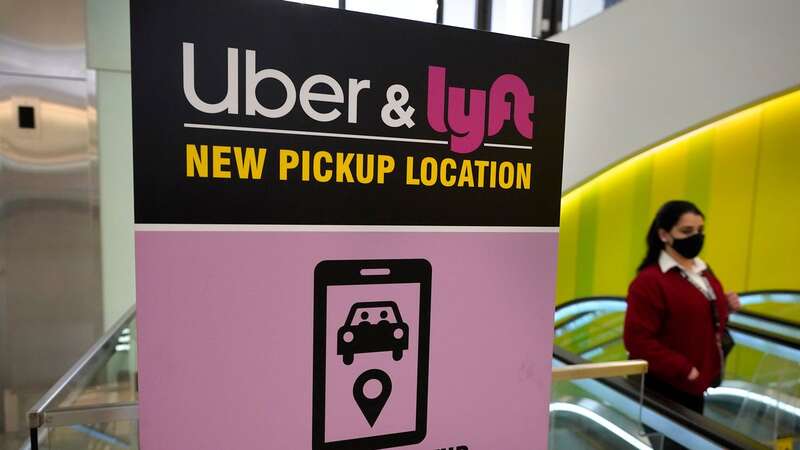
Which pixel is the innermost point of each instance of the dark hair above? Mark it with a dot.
(666, 218)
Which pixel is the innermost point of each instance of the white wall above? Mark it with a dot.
(647, 69)
(108, 51)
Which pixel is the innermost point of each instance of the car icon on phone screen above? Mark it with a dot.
(372, 327)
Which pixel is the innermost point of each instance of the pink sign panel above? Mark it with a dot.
(229, 321)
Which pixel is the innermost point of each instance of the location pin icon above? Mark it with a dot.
(372, 407)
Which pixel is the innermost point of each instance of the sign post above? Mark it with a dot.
(346, 229)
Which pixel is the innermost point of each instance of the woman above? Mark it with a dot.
(677, 310)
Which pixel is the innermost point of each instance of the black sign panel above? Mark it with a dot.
(243, 116)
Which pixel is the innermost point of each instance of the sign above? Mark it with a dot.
(346, 229)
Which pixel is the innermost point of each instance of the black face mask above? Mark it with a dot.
(689, 247)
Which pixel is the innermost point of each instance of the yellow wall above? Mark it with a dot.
(742, 171)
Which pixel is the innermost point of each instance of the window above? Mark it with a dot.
(576, 11)
(328, 3)
(423, 10)
(459, 13)
(512, 17)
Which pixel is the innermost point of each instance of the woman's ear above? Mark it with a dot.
(663, 235)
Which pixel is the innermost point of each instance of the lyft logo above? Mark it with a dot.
(509, 99)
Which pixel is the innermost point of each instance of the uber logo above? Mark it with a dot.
(253, 77)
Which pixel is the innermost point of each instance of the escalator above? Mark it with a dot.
(611, 413)
(759, 401)
(94, 405)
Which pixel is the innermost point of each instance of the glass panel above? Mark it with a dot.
(582, 418)
(760, 395)
(110, 377)
(423, 10)
(113, 435)
(513, 17)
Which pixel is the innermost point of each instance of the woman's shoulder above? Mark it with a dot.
(647, 283)
(649, 273)
(650, 276)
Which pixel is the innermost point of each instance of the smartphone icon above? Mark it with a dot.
(371, 341)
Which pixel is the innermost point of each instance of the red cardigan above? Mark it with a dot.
(668, 323)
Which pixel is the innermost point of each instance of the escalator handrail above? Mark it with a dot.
(771, 292)
(590, 298)
(777, 320)
(697, 423)
(741, 294)
(766, 335)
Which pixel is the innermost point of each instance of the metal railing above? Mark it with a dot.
(48, 412)
(600, 370)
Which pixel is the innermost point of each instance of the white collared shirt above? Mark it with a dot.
(695, 274)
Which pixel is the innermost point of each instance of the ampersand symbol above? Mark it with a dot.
(396, 98)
